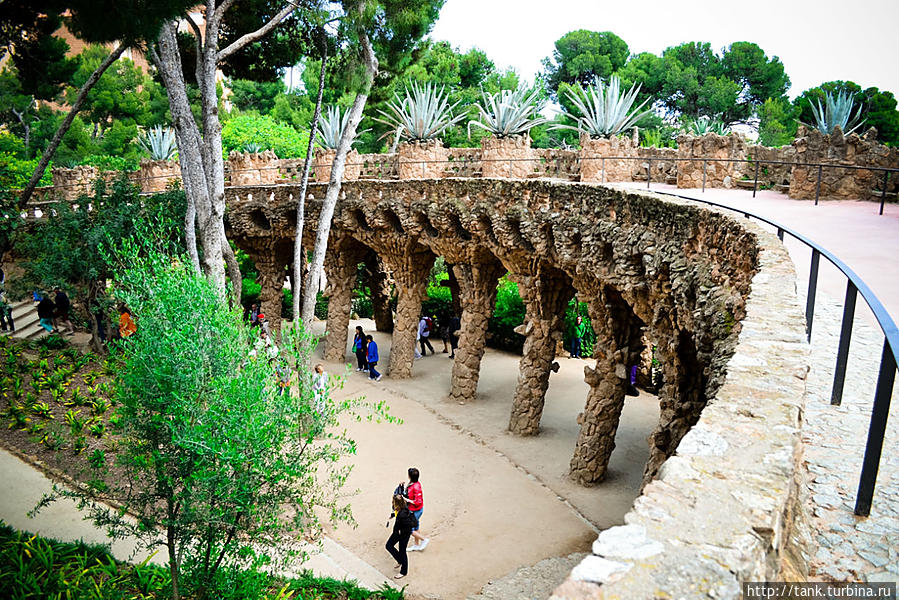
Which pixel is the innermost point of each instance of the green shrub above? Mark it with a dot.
(362, 304)
(507, 315)
(572, 311)
(249, 291)
(15, 172)
(11, 144)
(268, 133)
(106, 162)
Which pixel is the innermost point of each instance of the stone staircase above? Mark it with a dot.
(28, 326)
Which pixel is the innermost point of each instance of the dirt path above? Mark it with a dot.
(493, 502)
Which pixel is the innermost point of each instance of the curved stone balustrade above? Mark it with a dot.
(714, 295)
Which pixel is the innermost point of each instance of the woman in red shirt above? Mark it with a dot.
(416, 504)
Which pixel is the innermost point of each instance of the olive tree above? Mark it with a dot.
(217, 466)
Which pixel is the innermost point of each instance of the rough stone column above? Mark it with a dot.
(341, 265)
(378, 281)
(271, 280)
(455, 291)
(478, 285)
(618, 334)
(681, 398)
(545, 294)
(410, 271)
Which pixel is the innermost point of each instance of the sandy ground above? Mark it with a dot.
(493, 502)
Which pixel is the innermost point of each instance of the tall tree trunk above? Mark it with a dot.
(343, 147)
(297, 279)
(67, 122)
(168, 61)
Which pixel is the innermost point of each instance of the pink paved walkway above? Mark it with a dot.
(852, 230)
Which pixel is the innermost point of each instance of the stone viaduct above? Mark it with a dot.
(665, 274)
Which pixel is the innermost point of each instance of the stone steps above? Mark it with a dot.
(27, 323)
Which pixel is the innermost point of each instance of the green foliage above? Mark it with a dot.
(204, 430)
(106, 162)
(777, 123)
(36, 567)
(836, 112)
(258, 96)
(283, 139)
(422, 114)
(508, 314)
(574, 310)
(580, 57)
(510, 112)
(604, 110)
(15, 172)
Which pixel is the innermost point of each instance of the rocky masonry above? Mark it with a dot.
(654, 273)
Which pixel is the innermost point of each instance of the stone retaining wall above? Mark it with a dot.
(592, 163)
(811, 146)
(724, 507)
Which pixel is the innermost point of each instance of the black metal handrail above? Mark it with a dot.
(888, 361)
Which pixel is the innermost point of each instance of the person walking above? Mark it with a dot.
(424, 330)
(359, 349)
(416, 501)
(6, 313)
(402, 530)
(372, 357)
(45, 312)
(454, 327)
(319, 387)
(263, 323)
(577, 338)
(443, 327)
(63, 307)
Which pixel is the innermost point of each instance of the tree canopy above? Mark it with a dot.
(878, 108)
(582, 56)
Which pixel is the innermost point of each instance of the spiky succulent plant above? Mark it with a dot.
(604, 109)
(423, 114)
(704, 125)
(510, 112)
(837, 111)
(331, 126)
(252, 148)
(159, 141)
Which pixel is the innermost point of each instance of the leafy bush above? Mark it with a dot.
(11, 144)
(572, 312)
(507, 315)
(249, 291)
(105, 162)
(268, 133)
(15, 172)
(36, 567)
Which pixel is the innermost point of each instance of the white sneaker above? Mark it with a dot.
(413, 548)
(424, 544)
(378, 378)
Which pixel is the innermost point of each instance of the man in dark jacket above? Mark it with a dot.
(63, 306)
(45, 312)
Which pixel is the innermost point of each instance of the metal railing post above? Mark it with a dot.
(883, 192)
(648, 173)
(780, 234)
(603, 167)
(876, 431)
(839, 375)
(812, 289)
(703, 176)
(818, 185)
(755, 184)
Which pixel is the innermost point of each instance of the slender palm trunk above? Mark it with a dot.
(343, 148)
(297, 278)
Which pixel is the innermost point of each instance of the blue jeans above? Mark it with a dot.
(576, 347)
(372, 374)
(417, 514)
(47, 324)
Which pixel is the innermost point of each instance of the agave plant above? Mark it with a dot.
(510, 112)
(159, 141)
(252, 148)
(704, 125)
(605, 110)
(837, 112)
(422, 115)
